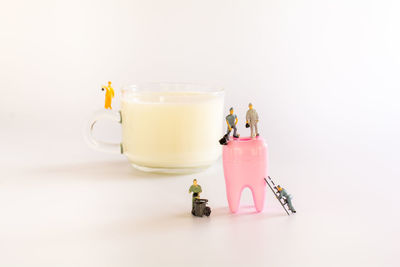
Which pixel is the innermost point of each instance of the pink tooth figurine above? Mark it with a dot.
(245, 165)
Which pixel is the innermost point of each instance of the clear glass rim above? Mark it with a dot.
(172, 87)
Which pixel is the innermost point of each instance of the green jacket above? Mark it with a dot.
(195, 189)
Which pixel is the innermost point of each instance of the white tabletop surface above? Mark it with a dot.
(65, 205)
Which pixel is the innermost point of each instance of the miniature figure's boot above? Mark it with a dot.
(245, 165)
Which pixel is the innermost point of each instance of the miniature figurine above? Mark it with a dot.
(199, 206)
(252, 120)
(283, 193)
(196, 190)
(109, 95)
(280, 197)
(231, 121)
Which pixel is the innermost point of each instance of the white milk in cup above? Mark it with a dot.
(168, 128)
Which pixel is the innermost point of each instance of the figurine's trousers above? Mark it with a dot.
(107, 103)
(193, 199)
(234, 131)
(253, 126)
(289, 203)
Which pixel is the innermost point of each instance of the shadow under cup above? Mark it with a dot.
(167, 128)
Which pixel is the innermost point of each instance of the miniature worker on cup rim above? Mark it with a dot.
(196, 190)
(252, 120)
(109, 95)
(231, 121)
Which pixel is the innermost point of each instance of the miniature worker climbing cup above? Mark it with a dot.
(252, 120)
(231, 121)
(109, 95)
(283, 193)
(196, 190)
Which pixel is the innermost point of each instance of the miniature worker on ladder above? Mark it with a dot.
(283, 193)
(196, 190)
(109, 95)
(252, 120)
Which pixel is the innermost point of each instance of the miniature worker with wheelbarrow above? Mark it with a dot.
(199, 206)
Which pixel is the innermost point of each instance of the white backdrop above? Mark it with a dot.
(323, 75)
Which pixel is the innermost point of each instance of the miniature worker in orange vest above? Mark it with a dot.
(109, 95)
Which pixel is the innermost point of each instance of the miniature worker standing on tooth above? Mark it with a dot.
(252, 120)
(231, 121)
(283, 193)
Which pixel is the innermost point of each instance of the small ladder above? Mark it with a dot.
(274, 190)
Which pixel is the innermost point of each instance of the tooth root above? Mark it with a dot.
(258, 196)
(233, 193)
(236, 181)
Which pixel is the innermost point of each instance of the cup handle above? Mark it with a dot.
(97, 144)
